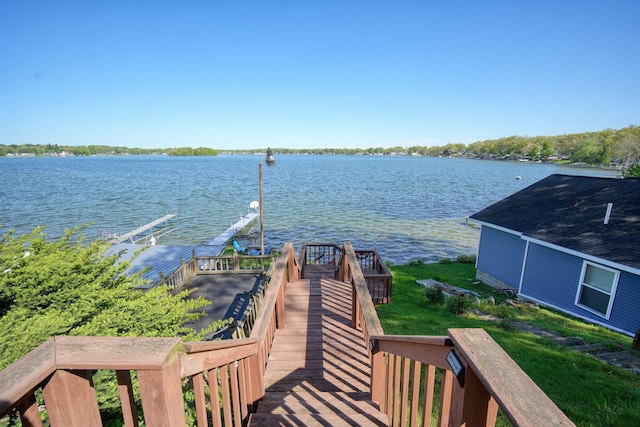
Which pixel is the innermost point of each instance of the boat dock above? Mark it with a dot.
(166, 258)
(223, 238)
(130, 235)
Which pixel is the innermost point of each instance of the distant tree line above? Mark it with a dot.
(609, 147)
(618, 147)
(605, 147)
(95, 150)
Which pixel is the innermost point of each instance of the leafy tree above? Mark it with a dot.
(67, 288)
(632, 171)
(547, 151)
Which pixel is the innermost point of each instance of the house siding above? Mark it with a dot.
(625, 314)
(500, 255)
(552, 277)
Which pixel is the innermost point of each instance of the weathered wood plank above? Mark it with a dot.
(318, 369)
(114, 352)
(71, 399)
(26, 374)
(317, 420)
(523, 402)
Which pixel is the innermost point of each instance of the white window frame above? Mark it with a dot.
(612, 294)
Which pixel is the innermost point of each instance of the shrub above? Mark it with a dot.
(459, 304)
(416, 262)
(466, 259)
(445, 260)
(434, 295)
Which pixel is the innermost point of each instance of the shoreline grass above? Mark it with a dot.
(590, 392)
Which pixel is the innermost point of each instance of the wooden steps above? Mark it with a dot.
(318, 369)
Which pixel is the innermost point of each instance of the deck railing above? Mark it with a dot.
(319, 254)
(271, 315)
(61, 371)
(377, 276)
(225, 378)
(477, 375)
(220, 264)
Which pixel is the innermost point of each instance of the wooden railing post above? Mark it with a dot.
(377, 382)
(293, 268)
(161, 393)
(471, 405)
(71, 399)
(236, 262)
(256, 379)
(127, 399)
(280, 304)
(29, 413)
(355, 308)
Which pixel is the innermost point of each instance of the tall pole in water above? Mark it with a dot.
(270, 161)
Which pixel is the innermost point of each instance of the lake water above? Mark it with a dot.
(403, 207)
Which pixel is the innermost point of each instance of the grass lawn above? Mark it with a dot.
(589, 392)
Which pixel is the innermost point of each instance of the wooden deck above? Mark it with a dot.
(318, 369)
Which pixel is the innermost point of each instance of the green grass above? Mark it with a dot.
(588, 391)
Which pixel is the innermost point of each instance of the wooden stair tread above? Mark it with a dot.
(316, 420)
(318, 372)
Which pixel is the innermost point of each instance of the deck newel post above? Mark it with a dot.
(161, 393)
(71, 399)
(256, 379)
(280, 304)
(236, 262)
(472, 405)
(161, 279)
(194, 263)
(293, 271)
(355, 308)
(378, 373)
(29, 414)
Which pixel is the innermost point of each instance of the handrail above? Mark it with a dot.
(363, 311)
(62, 368)
(477, 375)
(271, 315)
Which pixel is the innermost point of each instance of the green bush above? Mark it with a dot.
(434, 296)
(459, 304)
(416, 262)
(466, 259)
(445, 260)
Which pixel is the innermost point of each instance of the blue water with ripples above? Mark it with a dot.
(403, 207)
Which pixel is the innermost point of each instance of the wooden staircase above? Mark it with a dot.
(318, 370)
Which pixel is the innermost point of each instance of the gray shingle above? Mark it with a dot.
(569, 211)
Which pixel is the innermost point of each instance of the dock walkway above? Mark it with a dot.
(130, 235)
(224, 237)
(318, 370)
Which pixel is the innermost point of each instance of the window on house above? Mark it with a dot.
(597, 288)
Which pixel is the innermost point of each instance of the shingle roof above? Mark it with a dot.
(569, 211)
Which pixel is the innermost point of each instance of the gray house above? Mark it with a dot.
(571, 243)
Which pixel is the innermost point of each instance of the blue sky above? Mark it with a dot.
(312, 74)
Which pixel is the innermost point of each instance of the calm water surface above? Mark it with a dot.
(404, 207)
